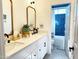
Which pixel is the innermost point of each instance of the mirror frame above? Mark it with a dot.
(28, 13)
(12, 26)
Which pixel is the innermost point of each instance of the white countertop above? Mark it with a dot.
(12, 48)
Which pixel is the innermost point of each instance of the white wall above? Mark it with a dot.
(2, 50)
(19, 14)
(43, 14)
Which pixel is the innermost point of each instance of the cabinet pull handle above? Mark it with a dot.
(39, 49)
(34, 55)
(44, 44)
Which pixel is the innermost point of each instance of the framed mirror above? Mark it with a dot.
(8, 20)
(31, 16)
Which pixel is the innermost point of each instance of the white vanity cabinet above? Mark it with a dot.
(42, 50)
(36, 50)
(35, 54)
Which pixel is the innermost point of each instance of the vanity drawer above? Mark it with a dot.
(35, 54)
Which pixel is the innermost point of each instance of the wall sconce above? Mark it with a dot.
(32, 2)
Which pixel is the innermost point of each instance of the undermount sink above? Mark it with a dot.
(11, 46)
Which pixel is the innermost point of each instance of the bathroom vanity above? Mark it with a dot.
(33, 47)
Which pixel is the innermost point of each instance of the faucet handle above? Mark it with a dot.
(6, 35)
(8, 41)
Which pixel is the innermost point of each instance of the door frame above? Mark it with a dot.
(75, 53)
(66, 6)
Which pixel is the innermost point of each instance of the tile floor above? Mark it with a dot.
(56, 54)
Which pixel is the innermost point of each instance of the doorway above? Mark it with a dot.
(60, 26)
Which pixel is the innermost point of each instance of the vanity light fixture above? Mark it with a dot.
(33, 2)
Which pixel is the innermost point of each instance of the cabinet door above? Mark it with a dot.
(40, 53)
(34, 54)
(42, 50)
